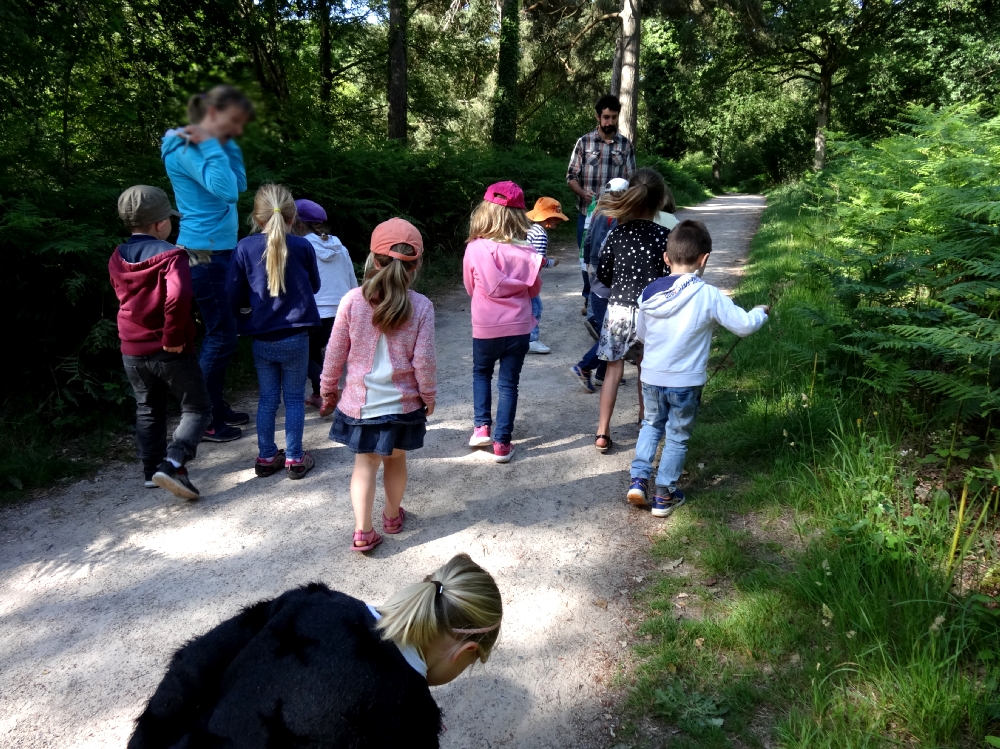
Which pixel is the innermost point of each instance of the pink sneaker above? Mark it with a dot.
(481, 437)
(314, 400)
(503, 452)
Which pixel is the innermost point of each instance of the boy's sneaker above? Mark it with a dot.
(591, 329)
(315, 401)
(175, 480)
(599, 381)
(221, 433)
(537, 347)
(637, 491)
(503, 452)
(584, 377)
(234, 418)
(149, 483)
(264, 468)
(299, 468)
(664, 504)
(481, 437)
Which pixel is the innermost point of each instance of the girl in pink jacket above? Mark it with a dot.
(384, 334)
(500, 270)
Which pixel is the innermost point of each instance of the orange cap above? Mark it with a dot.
(546, 208)
(396, 231)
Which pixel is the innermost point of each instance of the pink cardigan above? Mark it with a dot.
(353, 341)
(501, 279)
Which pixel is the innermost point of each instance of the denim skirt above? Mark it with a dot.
(380, 435)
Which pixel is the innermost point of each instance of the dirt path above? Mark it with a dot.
(100, 584)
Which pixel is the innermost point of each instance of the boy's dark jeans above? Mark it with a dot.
(486, 352)
(154, 379)
(208, 281)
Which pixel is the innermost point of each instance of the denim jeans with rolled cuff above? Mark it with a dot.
(670, 413)
(208, 281)
(281, 369)
(155, 378)
(536, 312)
(509, 351)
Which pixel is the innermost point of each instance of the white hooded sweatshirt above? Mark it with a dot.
(677, 315)
(336, 273)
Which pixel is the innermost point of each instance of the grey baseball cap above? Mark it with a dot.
(143, 205)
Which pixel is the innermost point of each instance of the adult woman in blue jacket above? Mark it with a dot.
(206, 170)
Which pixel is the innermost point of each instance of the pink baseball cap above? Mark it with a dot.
(506, 194)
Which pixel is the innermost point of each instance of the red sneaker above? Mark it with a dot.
(481, 437)
(503, 452)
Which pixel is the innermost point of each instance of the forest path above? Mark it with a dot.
(101, 582)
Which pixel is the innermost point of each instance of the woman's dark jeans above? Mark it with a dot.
(208, 281)
(486, 352)
(154, 379)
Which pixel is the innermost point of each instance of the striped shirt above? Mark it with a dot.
(539, 239)
(594, 162)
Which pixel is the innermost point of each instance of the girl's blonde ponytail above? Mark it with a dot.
(386, 287)
(644, 197)
(273, 213)
(461, 600)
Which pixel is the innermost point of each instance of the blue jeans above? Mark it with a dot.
(486, 352)
(208, 282)
(581, 220)
(590, 362)
(670, 412)
(281, 368)
(536, 312)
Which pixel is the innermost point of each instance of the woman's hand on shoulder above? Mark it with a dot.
(196, 134)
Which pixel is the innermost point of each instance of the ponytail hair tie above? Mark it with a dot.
(277, 210)
(440, 587)
(480, 631)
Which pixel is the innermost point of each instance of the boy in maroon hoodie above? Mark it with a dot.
(152, 279)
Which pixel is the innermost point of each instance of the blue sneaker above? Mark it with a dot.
(584, 377)
(667, 502)
(637, 491)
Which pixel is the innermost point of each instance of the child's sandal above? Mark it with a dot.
(607, 439)
(393, 525)
(370, 540)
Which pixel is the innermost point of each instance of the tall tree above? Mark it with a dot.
(397, 70)
(629, 93)
(508, 64)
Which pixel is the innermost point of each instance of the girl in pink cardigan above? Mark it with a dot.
(500, 270)
(384, 333)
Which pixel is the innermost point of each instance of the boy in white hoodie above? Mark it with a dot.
(677, 316)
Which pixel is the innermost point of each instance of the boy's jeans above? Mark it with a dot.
(486, 352)
(536, 312)
(154, 378)
(590, 362)
(208, 281)
(669, 411)
(281, 368)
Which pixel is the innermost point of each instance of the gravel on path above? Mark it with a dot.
(102, 581)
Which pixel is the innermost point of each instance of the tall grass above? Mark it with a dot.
(820, 610)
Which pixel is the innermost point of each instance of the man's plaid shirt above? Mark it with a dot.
(594, 162)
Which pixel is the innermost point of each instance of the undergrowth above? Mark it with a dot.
(824, 586)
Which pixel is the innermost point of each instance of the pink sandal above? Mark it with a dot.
(393, 525)
(370, 539)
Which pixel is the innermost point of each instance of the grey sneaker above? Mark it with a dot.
(299, 468)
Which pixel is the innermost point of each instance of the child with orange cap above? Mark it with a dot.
(384, 335)
(546, 215)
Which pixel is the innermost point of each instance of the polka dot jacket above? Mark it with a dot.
(632, 259)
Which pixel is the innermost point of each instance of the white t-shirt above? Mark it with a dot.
(381, 395)
(409, 652)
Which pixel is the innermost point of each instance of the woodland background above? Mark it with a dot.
(718, 94)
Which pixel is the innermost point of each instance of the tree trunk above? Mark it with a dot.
(397, 70)
(325, 74)
(631, 25)
(616, 66)
(822, 116)
(505, 100)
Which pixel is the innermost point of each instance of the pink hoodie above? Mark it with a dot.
(501, 279)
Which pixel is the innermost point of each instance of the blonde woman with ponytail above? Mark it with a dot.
(384, 336)
(274, 273)
(320, 667)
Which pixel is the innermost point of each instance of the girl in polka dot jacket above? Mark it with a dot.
(631, 260)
